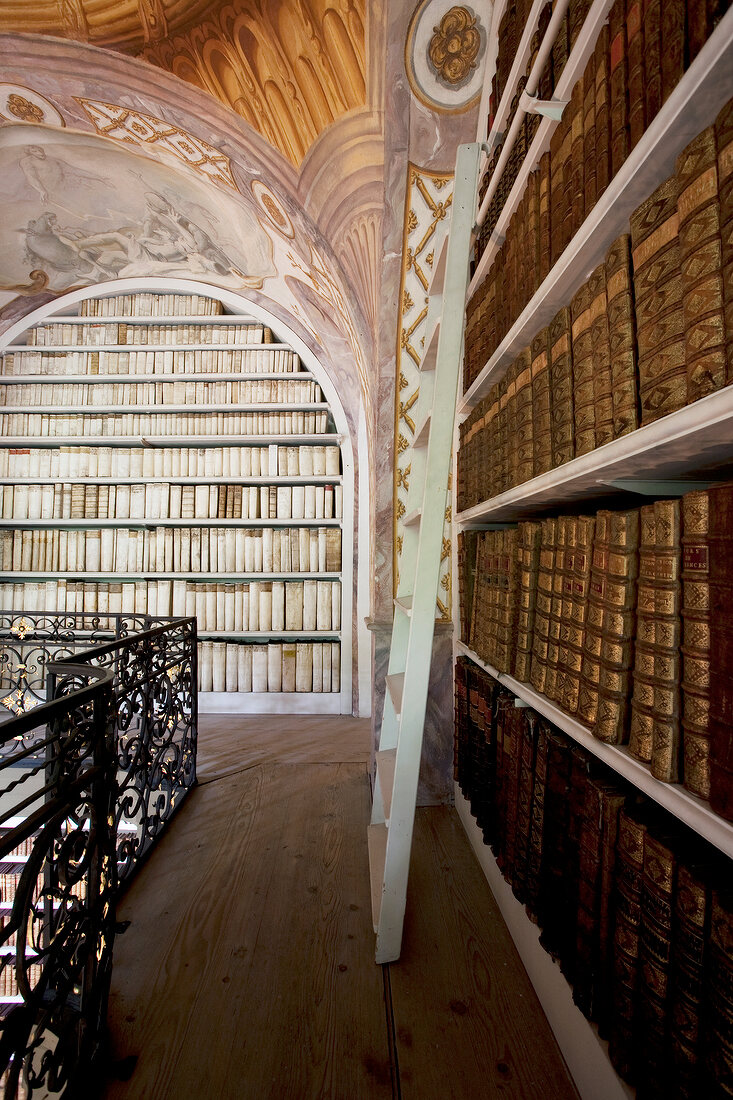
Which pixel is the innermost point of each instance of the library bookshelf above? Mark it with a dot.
(164, 451)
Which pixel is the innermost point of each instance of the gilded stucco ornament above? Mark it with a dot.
(455, 46)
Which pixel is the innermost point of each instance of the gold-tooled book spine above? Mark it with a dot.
(561, 384)
(601, 351)
(591, 662)
(701, 263)
(541, 404)
(629, 872)
(667, 658)
(655, 943)
(553, 677)
(528, 553)
(687, 968)
(724, 148)
(718, 1040)
(580, 580)
(540, 641)
(696, 643)
(523, 434)
(583, 384)
(619, 626)
(658, 296)
(642, 704)
(622, 337)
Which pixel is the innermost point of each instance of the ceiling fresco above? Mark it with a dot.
(290, 69)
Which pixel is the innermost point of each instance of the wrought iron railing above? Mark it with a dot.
(88, 782)
(58, 888)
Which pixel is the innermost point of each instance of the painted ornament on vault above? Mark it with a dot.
(445, 53)
(20, 104)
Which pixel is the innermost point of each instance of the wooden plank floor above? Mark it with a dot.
(248, 967)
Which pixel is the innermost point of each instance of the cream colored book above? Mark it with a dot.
(319, 460)
(323, 605)
(298, 505)
(107, 550)
(338, 501)
(122, 502)
(335, 666)
(320, 501)
(114, 595)
(284, 501)
(190, 600)
(310, 604)
(227, 620)
(206, 656)
(218, 666)
(210, 612)
(304, 666)
(288, 666)
(313, 550)
(200, 595)
(333, 462)
(254, 605)
(137, 502)
(93, 551)
(274, 666)
(265, 597)
(335, 605)
(278, 605)
(326, 658)
(294, 605)
(259, 668)
(178, 609)
(240, 539)
(238, 590)
(258, 549)
(317, 680)
(244, 668)
(328, 502)
(231, 676)
(249, 550)
(304, 553)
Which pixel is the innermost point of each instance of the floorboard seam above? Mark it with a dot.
(394, 1065)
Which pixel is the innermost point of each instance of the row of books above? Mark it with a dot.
(277, 666)
(155, 500)
(178, 423)
(173, 549)
(272, 606)
(634, 344)
(151, 304)
(636, 909)
(101, 333)
(191, 360)
(558, 196)
(623, 620)
(280, 390)
(304, 460)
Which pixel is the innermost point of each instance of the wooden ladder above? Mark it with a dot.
(408, 675)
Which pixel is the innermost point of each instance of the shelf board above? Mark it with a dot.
(95, 379)
(272, 702)
(691, 106)
(377, 844)
(684, 442)
(157, 319)
(396, 687)
(92, 349)
(152, 524)
(572, 72)
(386, 760)
(242, 635)
(190, 410)
(25, 442)
(686, 807)
(175, 479)
(129, 578)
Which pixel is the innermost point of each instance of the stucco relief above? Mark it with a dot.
(21, 104)
(445, 52)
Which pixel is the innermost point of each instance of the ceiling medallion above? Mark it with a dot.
(455, 46)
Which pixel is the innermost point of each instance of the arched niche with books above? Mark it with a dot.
(173, 449)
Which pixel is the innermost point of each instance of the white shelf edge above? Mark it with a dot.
(30, 442)
(578, 1040)
(129, 578)
(178, 479)
(272, 702)
(200, 376)
(686, 807)
(241, 635)
(190, 410)
(590, 472)
(91, 349)
(152, 523)
(649, 163)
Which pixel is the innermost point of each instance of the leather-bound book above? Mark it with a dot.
(698, 27)
(701, 259)
(620, 564)
(544, 229)
(635, 55)
(655, 945)
(597, 858)
(529, 730)
(724, 146)
(575, 628)
(602, 61)
(695, 643)
(718, 1032)
(537, 822)
(560, 50)
(523, 465)
(619, 82)
(601, 351)
(622, 337)
(589, 135)
(577, 11)
(543, 605)
(508, 600)
(561, 386)
(642, 707)
(580, 770)
(672, 45)
(721, 650)
(623, 1043)
(541, 404)
(460, 719)
(559, 149)
(583, 383)
(557, 815)
(528, 560)
(687, 970)
(562, 558)
(652, 30)
(577, 158)
(590, 669)
(513, 724)
(659, 313)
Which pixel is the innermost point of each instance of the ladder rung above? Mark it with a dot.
(436, 283)
(377, 843)
(412, 517)
(430, 357)
(404, 603)
(386, 760)
(395, 687)
(422, 431)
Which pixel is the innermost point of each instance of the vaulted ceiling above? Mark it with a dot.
(288, 67)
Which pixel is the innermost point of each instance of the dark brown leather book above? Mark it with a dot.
(581, 763)
(544, 227)
(642, 706)
(537, 822)
(724, 145)
(559, 150)
(721, 650)
(701, 259)
(622, 1047)
(601, 60)
(529, 535)
(601, 351)
(529, 730)
(718, 1034)
(577, 160)
(543, 609)
(561, 383)
(655, 946)
(589, 135)
(591, 662)
(560, 50)
(687, 969)
(697, 28)
(659, 314)
(695, 643)
(583, 383)
(562, 558)
(635, 54)
(652, 30)
(574, 638)
(513, 723)
(557, 817)
(622, 337)
(672, 45)
(523, 421)
(619, 83)
(541, 404)
(460, 721)
(621, 567)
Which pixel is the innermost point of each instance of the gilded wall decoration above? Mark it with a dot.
(427, 206)
(445, 51)
(273, 209)
(21, 104)
(131, 127)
